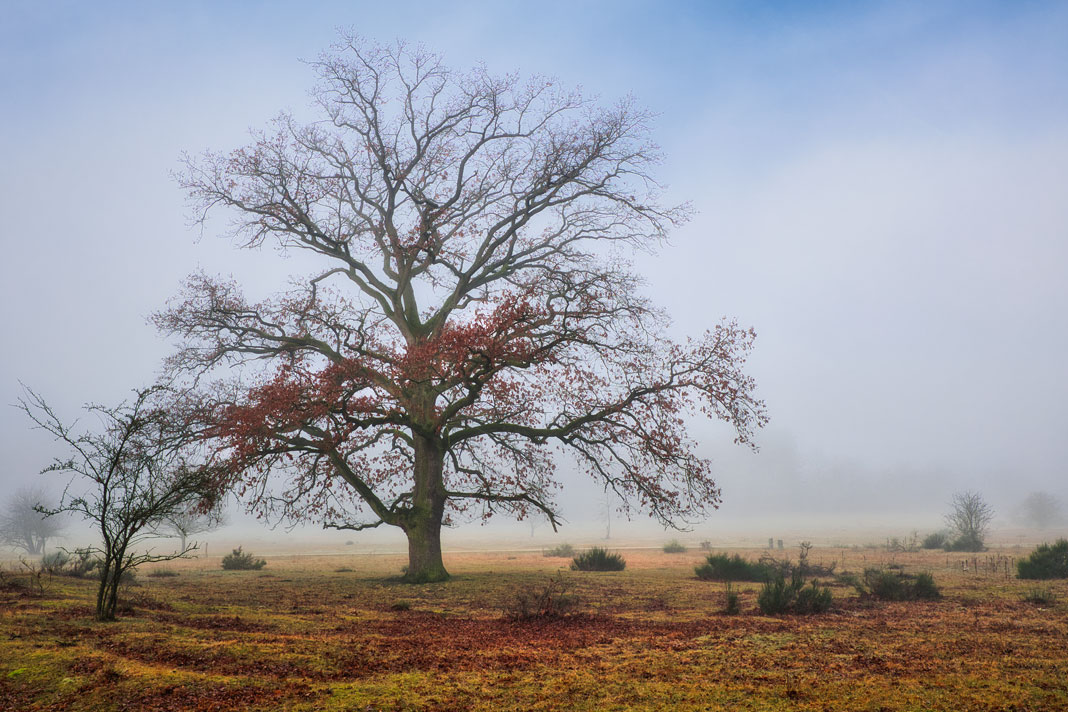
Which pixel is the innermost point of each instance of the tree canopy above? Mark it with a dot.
(475, 317)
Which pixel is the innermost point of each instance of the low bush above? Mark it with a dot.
(924, 587)
(780, 595)
(813, 598)
(598, 559)
(549, 601)
(889, 585)
(239, 560)
(162, 573)
(563, 551)
(674, 547)
(776, 596)
(61, 563)
(936, 540)
(55, 562)
(968, 543)
(1047, 561)
(1040, 596)
(732, 603)
(720, 567)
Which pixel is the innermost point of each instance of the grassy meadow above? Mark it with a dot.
(340, 632)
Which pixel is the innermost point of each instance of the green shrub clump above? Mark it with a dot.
(61, 563)
(936, 540)
(163, 573)
(720, 567)
(241, 561)
(1048, 561)
(1040, 596)
(674, 547)
(897, 586)
(780, 595)
(598, 559)
(967, 542)
(563, 551)
(732, 601)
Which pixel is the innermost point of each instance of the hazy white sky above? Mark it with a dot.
(881, 193)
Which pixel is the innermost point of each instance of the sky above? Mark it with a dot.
(879, 191)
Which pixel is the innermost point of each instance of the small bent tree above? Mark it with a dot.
(969, 519)
(127, 479)
(473, 318)
(23, 527)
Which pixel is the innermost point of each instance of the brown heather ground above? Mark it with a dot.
(301, 635)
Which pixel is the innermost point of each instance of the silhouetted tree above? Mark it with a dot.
(23, 527)
(1042, 510)
(473, 316)
(127, 478)
(970, 519)
(192, 520)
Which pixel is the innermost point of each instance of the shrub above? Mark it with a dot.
(813, 598)
(782, 596)
(549, 601)
(241, 561)
(896, 586)
(720, 567)
(55, 562)
(1047, 561)
(1040, 596)
(674, 547)
(936, 540)
(805, 568)
(924, 587)
(61, 563)
(966, 542)
(733, 568)
(598, 559)
(732, 605)
(776, 596)
(162, 573)
(563, 551)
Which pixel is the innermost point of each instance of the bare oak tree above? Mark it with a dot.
(126, 479)
(23, 527)
(475, 316)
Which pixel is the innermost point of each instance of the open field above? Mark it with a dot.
(302, 635)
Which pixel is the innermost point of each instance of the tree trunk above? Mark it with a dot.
(424, 552)
(107, 598)
(423, 523)
(107, 594)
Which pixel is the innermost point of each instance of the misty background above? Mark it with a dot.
(880, 192)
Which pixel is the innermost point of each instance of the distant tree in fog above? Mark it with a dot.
(187, 522)
(970, 519)
(1042, 510)
(23, 527)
